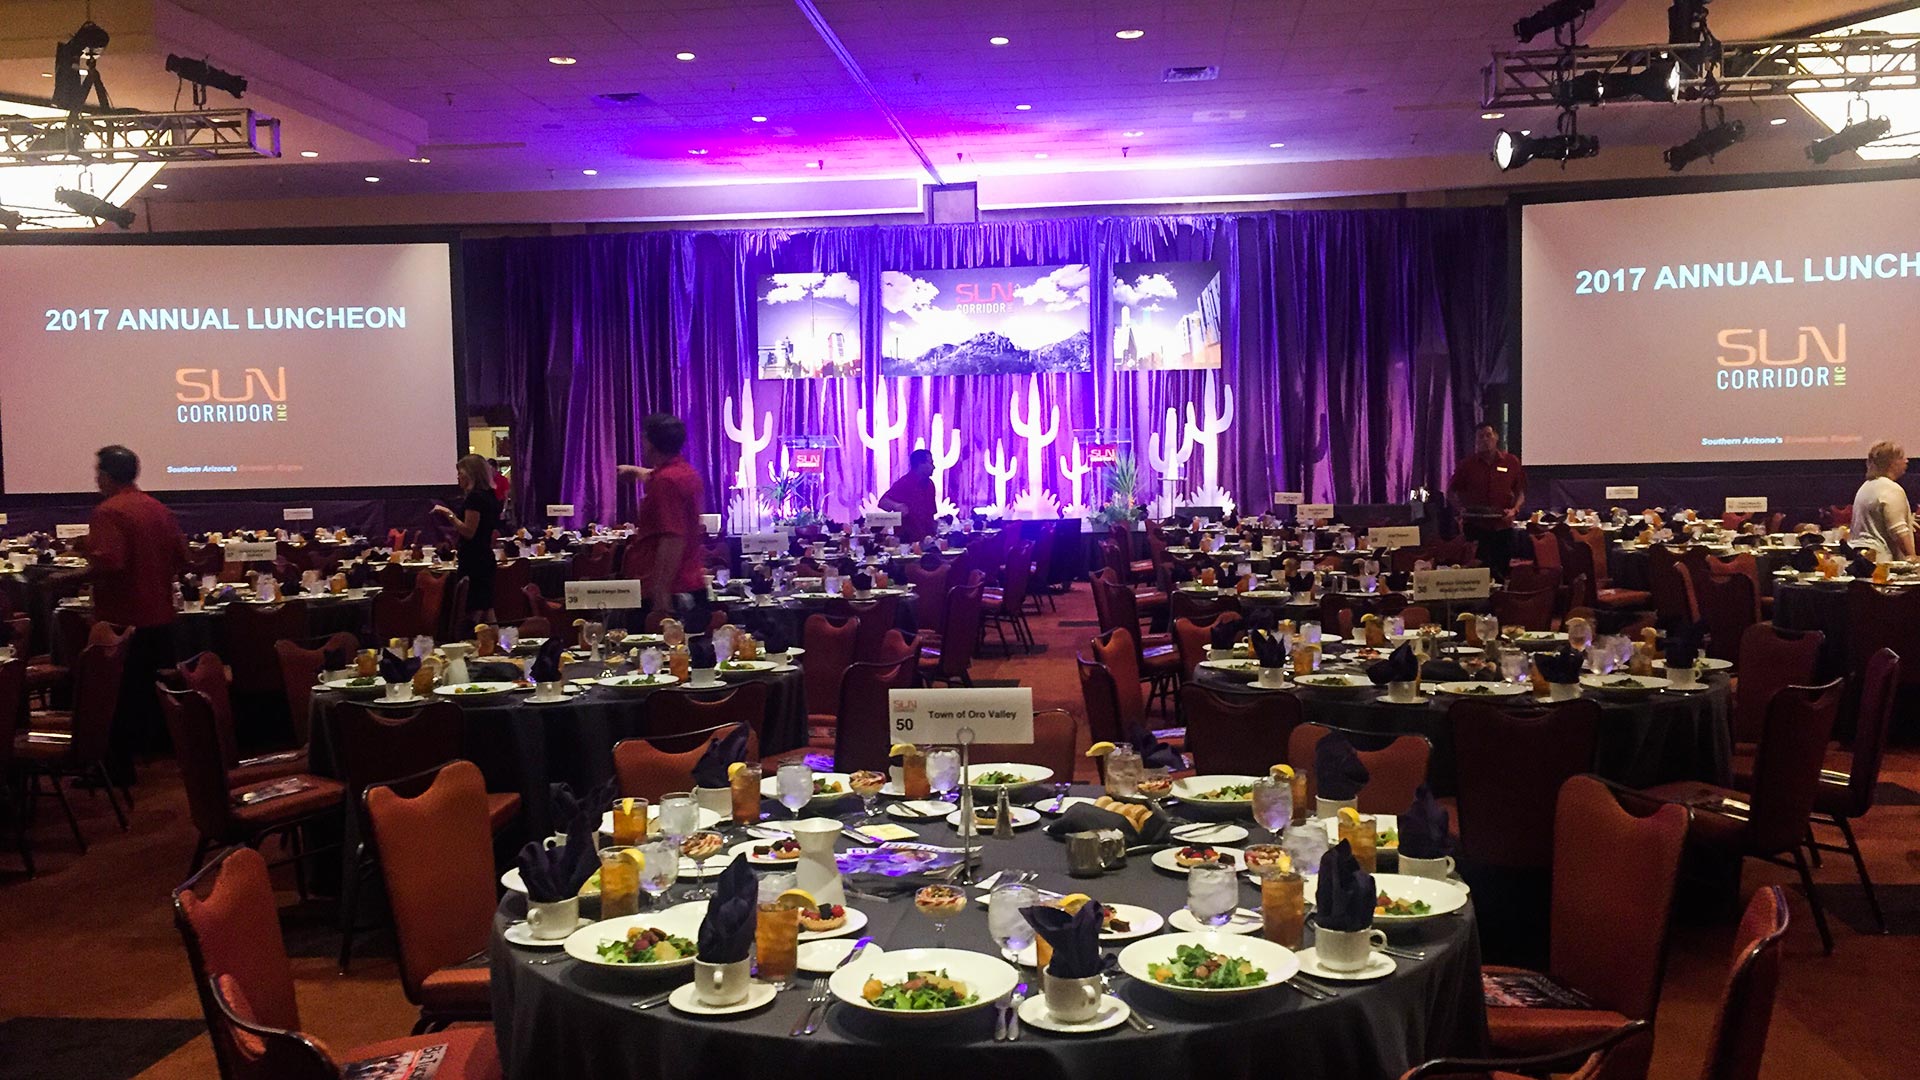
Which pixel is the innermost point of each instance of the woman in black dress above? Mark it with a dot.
(476, 521)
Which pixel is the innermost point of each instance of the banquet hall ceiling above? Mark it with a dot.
(868, 88)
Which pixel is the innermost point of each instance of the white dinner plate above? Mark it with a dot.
(1333, 681)
(822, 956)
(476, 689)
(1164, 858)
(1379, 964)
(1471, 689)
(681, 921)
(637, 682)
(744, 850)
(1140, 923)
(1625, 685)
(1235, 669)
(920, 810)
(522, 935)
(1192, 788)
(348, 686)
(1277, 961)
(1441, 896)
(1242, 921)
(1209, 832)
(1056, 806)
(1028, 774)
(740, 669)
(988, 979)
(1704, 663)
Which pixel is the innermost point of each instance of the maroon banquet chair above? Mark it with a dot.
(1242, 734)
(863, 736)
(1728, 605)
(1509, 766)
(1771, 660)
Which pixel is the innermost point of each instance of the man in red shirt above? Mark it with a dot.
(912, 497)
(1488, 489)
(665, 550)
(134, 550)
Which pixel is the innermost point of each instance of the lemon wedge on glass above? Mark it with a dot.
(735, 769)
(1284, 772)
(902, 749)
(1101, 749)
(1072, 902)
(1349, 815)
(796, 898)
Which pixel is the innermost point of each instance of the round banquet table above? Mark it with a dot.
(1670, 736)
(1819, 605)
(195, 632)
(1628, 563)
(786, 617)
(524, 747)
(569, 1020)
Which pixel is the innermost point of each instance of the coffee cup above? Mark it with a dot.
(719, 985)
(1347, 950)
(1403, 692)
(1440, 868)
(551, 922)
(399, 691)
(1683, 676)
(703, 677)
(1072, 1001)
(1562, 691)
(549, 691)
(1326, 808)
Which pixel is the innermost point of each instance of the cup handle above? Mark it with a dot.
(535, 917)
(1377, 939)
(1449, 861)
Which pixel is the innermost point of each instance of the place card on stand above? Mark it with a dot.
(559, 510)
(1458, 584)
(69, 532)
(297, 513)
(1624, 491)
(1288, 498)
(771, 543)
(999, 714)
(1314, 512)
(248, 551)
(1393, 536)
(1753, 504)
(602, 595)
(882, 519)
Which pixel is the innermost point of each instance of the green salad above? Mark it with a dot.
(736, 665)
(827, 787)
(1201, 968)
(1228, 793)
(646, 945)
(364, 680)
(920, 991)
(473, 688)
(1390, 838)
(1477, 691)
(1628, 683)
(996, 777)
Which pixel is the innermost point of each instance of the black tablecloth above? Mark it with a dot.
(1816, 606)
(563, 1020)
(195, 632)
(787, 618)
(1628, 564)
(1672, 736)
(523, 747)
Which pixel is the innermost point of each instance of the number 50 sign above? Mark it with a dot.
(995, 715)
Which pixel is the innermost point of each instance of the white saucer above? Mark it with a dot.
(759, 995)
(570, 692)
(411, 699)
(1378, 965)
(1113, 1012)
(824, 956)
(1243, 921)
(522, 935)
(921, 810)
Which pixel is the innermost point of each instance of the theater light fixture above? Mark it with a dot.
(75, 74)
(204, 77)
(93, 206)
(1849, 139)
(1555, 15)
(1658, 81)
(10, 219)
(1687, 23)
(1711, 140)
(1512, 149)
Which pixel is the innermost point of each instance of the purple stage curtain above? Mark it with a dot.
(1357, 345)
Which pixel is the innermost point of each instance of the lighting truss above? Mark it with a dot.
(101, 138)
(1751, 70)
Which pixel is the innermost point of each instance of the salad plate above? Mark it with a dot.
(985, 979)
(590, 944)
(1179, 964)
(476, 689)
(1411, 894)
(827, 786)
(1006, 775)
(1219, 789)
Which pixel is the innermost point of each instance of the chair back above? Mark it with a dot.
(1394, 772)
(1531, 609)
(1742, 564)
(260, 1052)
(453, 624)
(229, 922)
(1728, 605)
(510, 579)
(1739, 1038)
(930, 588)
(1122, 606)
(1770, 658)
(410, 614)
(1098, 694)
(251, 630)
(436, 853)
(592, 562)
(1043, 545)
(678, 717)
(1120, 655)
(393, 578)
(1509, 766)
(300, 667)
(646, 771)
(203, 769)
(1609, 915)
(1671, 602)
(961, 631)
(830, 647)
(1874, 716)
(1185, 604)
(1882, 618)
(1546, 549)
(555, 612)
(376, 746)
(1194, 637)
(1336, 614)
(97, 673)
(1533, 578)
(1786, 768)
(863, 735)
(204, 672)
(1051, 748)
(1242, 733)
(13, 707)
(876, 616)
(1016, 577)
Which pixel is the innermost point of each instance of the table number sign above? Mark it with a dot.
(883, 519)
(297, 513)
(995, 714)
(1314, 511)
(69, 532)
(245, 551)
(1394, 536)
(559, 510)
(1473, 584)
(603, 595)
(1753, 504)
(1625, 491)
(1289, 498)
(771, 543)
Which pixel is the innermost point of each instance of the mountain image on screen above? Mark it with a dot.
(809, 326)
(996, 321)
(1166, 316)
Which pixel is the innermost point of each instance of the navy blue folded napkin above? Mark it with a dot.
(1344, 901)
(1301, 582)
(1075, 938)
(1338, 772)
(1268, 649)
(1560, 666)
(726, 934)
(700, 650)
(1424, 830)
(553, 874)
(546, 663)
(397, 669)
(1224, 633)
(358, 575)
(1086, 817)
(1860, 562)
(1399, 666)
(711, 770)
(189, 587)
(1685, 644)
(1444, 670)
(862, 581)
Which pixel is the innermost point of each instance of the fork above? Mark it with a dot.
(816, 999)
(1134, 1019)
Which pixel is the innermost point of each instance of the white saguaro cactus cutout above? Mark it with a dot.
(1038, 439)
(1003, 469)
(946, 454)
(1075, 470)
(1204, 432)
(878, 435)
(1168, 452)
(746, 477)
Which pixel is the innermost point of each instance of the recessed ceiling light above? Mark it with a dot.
(697, 153)
(563, 61)
(46, 74)
(758, 119)
(158, 187)
(813, 164)
(373, 179)
(1131, 134)
(1275, 145)
(1129, 35)
(996, 41)
(309, 153)
(1023, 108)
(1040, 155)
(420, 160)
(683, 56)
(589, 172)
(1777, 121)
(1491, 115)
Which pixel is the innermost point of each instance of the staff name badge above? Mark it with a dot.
(1752, 504)
(69, 532)
(883, 519)
(1625, 491)
(297, 513)
(603, 595)
(1289, 498)
(1315, 511)
(1000, 714)
(558, 510)
(252, 551)
(771, 543)
(1453, 584)
(1393, 536)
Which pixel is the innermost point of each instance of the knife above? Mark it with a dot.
(1013, 1012)
(1000, 1012)
(815, 1016)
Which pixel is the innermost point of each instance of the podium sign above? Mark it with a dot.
(808, 459)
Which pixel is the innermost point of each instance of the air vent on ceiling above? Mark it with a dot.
(1190, 74)
(1219, 116)
(624, 97)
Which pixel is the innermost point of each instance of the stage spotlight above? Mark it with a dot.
(1849, 138)
(1660, 81)
(1707, 143)
(1512, 149)
(1687, 22)
(205, 76)
(93, 206)
(10, 219)
(74, 73)
(1555, 15)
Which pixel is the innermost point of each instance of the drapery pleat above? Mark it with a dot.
(1357, 347)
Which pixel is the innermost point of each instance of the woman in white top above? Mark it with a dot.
(1881, 517)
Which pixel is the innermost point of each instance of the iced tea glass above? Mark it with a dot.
(1283, 907)
(1364, 837)
(745, 785)
(629, 822)
(620, 873)
(776, 933)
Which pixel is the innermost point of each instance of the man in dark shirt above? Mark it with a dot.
(664, 553)
(134, 550)
(912, 497)
(1488, 489)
